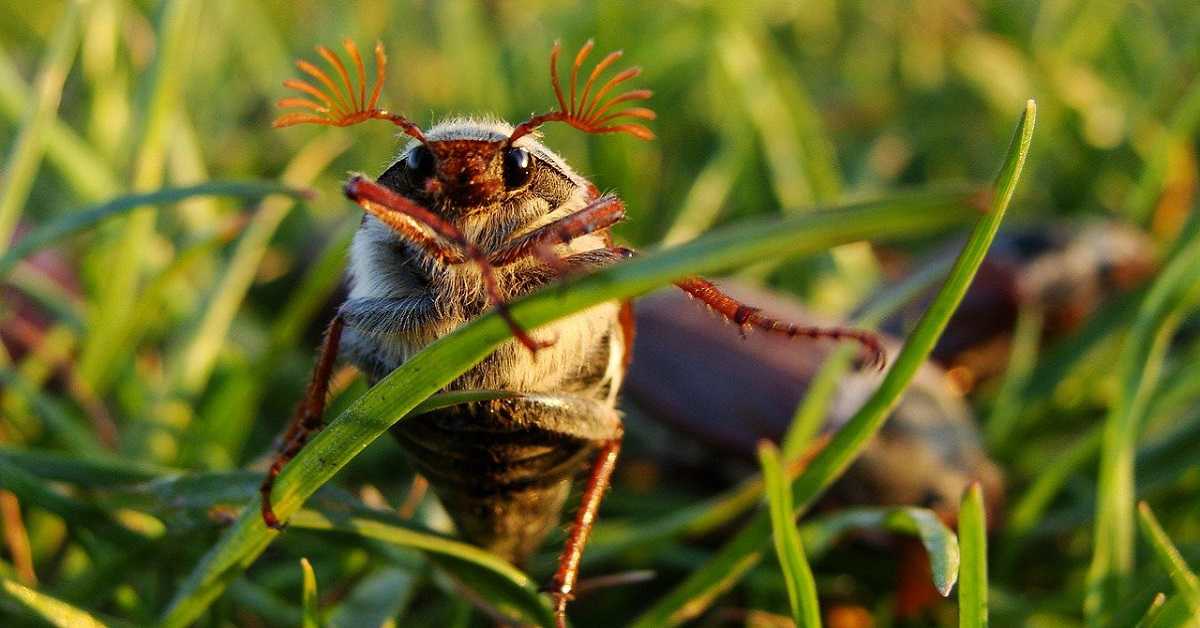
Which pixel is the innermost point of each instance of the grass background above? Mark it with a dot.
(191, 325)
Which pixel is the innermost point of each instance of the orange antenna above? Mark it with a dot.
(341, 105)
(589, 112)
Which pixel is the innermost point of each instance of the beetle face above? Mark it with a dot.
(468, 172)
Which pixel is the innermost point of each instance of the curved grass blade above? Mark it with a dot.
(939, 541)
(973, 581)
(610, 538)
(811, 412)
(745, 550)
(1171, 560)
(797, 575)
(510, 589)
(442, 361)
(51, 610)
(1138, 371)
(22, 164)
(88, 217)
(310, 617)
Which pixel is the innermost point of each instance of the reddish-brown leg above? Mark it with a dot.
(307, 419)
(599, 214)
(563, 586)
(745, 317)
(400, 213)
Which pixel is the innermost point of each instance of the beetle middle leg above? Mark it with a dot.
(306, 421)
(745, 316)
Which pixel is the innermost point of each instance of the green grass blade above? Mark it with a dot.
(1138, 370)
(22, 164)
(511, 589)
(610, 538)
(80, 166)
(198, 356)
(111, 322)
(376, 600)
(797, 575)
(1007, 407)
(1032, 504)
(1152, 613)
(810, 414)
(973, 577)
(34, 491)
(314, 290)
(87, 217)
(96, 470)
(311, 617)
(1170, 559)
(939, 541)
(745, 549)
(436, 366)
(51, 610)
(1179, 128)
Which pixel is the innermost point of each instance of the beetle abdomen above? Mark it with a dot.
(502, 481)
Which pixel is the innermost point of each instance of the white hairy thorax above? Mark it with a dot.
(381, 267)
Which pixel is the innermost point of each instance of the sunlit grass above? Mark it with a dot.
(192, 267)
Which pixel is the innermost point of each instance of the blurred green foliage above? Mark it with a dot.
(179, 337)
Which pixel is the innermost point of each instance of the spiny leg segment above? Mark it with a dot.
(306, 421)
(563, 587)
(399, 213)
(746, 317)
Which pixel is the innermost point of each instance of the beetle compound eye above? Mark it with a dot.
(419, 163)
(518, 167)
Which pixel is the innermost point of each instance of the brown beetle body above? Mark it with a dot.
(501, 468)
(473, 214)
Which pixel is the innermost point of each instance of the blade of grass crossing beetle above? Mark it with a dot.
(797, 575)
(973, 578)
(609, 538)
(443, 360)
(810, 414)
(731, 562)
(1170, 559)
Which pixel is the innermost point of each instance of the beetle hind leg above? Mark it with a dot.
(562, 587)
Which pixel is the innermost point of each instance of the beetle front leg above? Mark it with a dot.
(402, 214)
(599, 214)
(307, 420)
(563, 587)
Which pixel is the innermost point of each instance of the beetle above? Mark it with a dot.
(472, 213)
